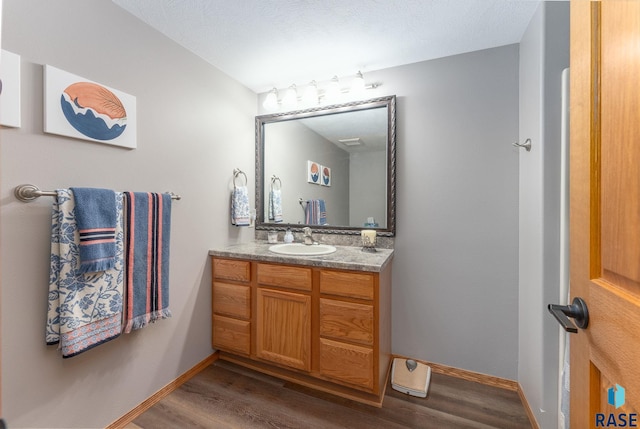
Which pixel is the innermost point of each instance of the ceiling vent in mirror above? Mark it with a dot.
(355, 141)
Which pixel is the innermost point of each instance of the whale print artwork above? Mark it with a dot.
(79, 108)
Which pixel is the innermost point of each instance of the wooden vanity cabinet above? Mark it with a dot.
(324, 328)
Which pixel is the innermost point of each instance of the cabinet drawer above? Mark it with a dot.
(231, 269)
(349, 284)
(346, 320)
(231, 334)
(346, 363)
(285, 276)
(232, 300)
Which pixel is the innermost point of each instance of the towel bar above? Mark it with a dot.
(27, 193)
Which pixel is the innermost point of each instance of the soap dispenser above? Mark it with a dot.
(288, 236)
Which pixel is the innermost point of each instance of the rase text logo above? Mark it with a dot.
(616, 398)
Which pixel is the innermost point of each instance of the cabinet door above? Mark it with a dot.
(283, 328)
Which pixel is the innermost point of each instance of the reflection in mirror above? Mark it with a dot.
(330, 168)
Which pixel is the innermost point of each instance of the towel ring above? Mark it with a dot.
(275, 178)
(236, 173)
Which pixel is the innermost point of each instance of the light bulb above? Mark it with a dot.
(310, 95)
(333, 90)
(271, 100)
(358, 86)
(290, 99)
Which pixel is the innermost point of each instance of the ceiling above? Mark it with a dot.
(274, 43)
(369, 126)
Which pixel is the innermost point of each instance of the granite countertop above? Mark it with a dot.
(344, 258)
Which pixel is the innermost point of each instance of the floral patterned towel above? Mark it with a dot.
(275, 205)
(240, 211)
(85, 310)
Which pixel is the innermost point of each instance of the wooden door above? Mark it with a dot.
(283, 328)
(605, 211)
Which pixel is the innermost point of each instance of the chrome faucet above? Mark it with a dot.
(308, 238)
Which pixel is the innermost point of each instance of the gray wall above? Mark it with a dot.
(289, 162)
(195, 125)
(544, 53)
(367, 187)
(455, 271)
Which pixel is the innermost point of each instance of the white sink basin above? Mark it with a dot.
(300, 249)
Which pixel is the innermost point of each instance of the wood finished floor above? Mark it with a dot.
(226, 396)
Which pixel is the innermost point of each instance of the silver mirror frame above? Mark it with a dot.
(260, 121)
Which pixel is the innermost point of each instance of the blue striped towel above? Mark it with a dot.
(315, 212)
(96, 219)
(147, 225)
(322, 215)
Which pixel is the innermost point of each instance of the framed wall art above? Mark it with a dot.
(79, 108)
(313, 172)
(326, 176)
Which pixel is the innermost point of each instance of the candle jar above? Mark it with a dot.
(368, 240)
(272, 237)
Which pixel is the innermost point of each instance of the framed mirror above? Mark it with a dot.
(329, 168)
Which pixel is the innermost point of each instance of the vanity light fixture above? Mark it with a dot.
(313, 96)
